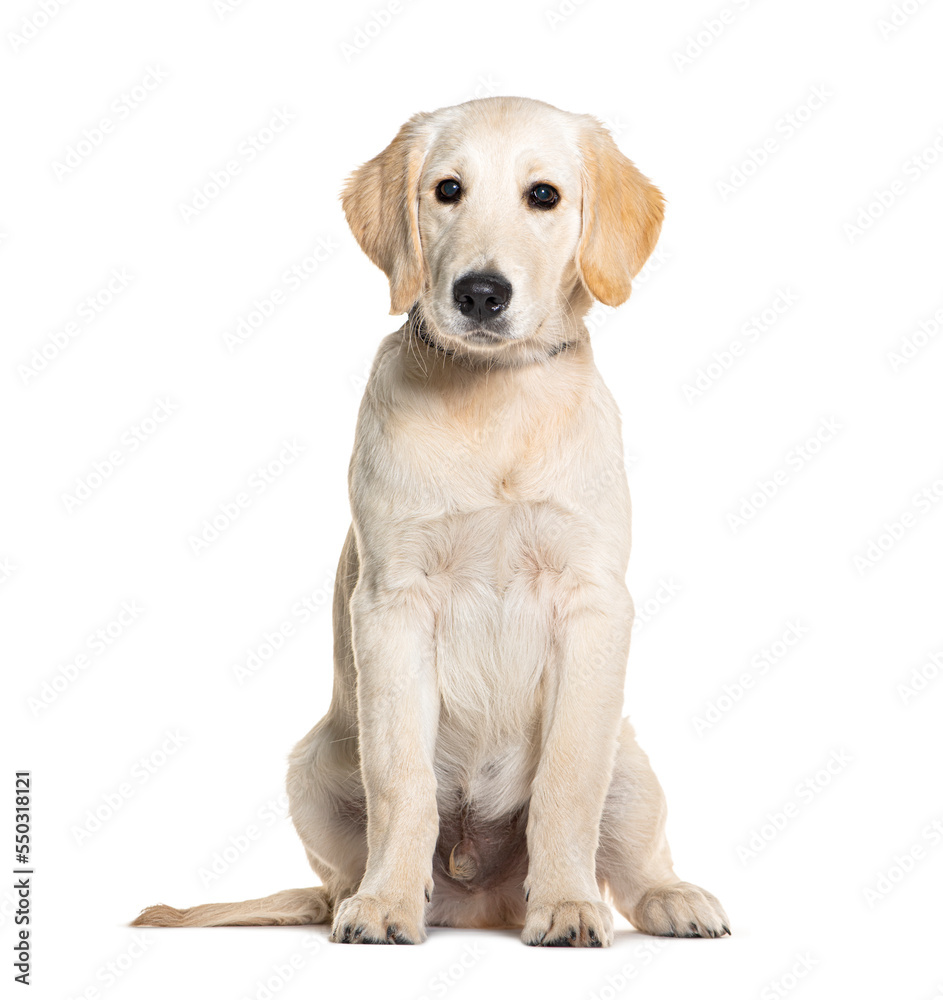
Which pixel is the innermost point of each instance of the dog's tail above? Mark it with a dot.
(292, 906)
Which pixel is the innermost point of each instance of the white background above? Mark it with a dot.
(691, 94)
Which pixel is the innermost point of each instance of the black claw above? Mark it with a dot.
(346, 938)
(693, 926)
(726, 929)
(428, 896)
(573, 933)
(391, 930)
(527, 896)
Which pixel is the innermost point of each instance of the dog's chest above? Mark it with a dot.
(498, 576)
(492, 509)
(491, 578)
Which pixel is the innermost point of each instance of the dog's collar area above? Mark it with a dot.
(559, 348)
(418, 329)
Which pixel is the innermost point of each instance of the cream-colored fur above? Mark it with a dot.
(473, 768)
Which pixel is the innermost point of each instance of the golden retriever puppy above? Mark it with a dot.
(473, 769)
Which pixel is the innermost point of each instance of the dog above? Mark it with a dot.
(473, 769)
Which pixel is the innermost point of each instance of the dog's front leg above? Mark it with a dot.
(581, 719)
(398, 708)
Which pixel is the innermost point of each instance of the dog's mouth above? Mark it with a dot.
(486, 337)
(460, 338)
(477, 346)
(486, 332)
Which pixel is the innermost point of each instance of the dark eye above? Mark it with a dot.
(449, 190)
(543, 196)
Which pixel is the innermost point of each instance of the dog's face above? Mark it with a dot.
(496, 220)
(499, 225)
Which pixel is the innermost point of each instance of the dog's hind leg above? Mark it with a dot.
(633, 860)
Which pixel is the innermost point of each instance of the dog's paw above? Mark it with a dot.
(680, 910)
(583, 924)
(365, 919)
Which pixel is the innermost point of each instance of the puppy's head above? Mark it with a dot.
(497, 220)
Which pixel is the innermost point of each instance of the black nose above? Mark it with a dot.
(481, 296)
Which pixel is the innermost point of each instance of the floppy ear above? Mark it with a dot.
(381, 202)
(622, 215)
